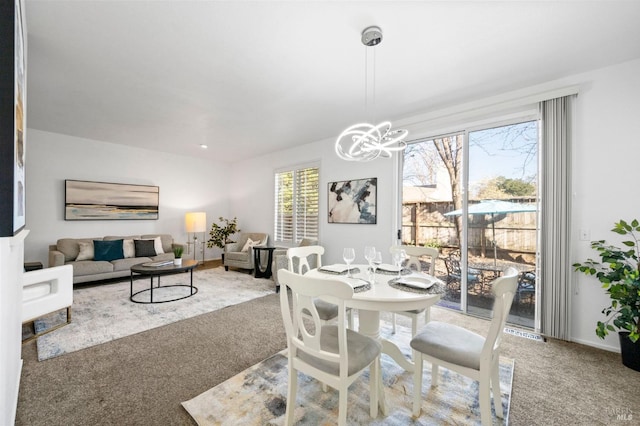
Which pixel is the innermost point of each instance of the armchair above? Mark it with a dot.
(235, 257)
(280, 260)
(45, 291)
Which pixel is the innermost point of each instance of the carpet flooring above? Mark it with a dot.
(102, 313)
(143, 378)
(257, 396)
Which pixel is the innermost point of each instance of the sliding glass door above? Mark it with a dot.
(473, 194)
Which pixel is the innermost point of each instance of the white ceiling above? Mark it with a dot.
(247, 78)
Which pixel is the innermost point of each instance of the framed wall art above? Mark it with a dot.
(353, 201)
(86, 200)
(13, 125)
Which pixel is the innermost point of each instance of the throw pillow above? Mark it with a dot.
(108, 250)
(128, 248)
(250, 243)
(144, 248)
(157, 244)
(86, 251)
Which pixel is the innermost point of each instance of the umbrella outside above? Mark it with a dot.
(494, 207)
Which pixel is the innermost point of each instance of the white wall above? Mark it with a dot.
(605, 180)
(606, 153)
(11, 255)
(253, 203)
(186, 184)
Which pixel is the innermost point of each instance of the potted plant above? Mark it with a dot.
(177, 252)
(620, 277)
(219, 234)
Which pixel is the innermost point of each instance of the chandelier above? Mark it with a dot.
(364, 141)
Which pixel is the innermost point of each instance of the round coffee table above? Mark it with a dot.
(158, 271)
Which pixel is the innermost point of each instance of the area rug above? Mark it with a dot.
(257, 396)
(103, 313)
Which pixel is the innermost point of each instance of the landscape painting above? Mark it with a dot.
(110, 201)
(353, 201)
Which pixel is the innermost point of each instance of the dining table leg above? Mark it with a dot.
(369, 325)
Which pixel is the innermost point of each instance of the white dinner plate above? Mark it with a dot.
(416, 282)
(388, 268)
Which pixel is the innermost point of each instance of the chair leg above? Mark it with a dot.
(393, 322)
(374, 379)
(417, 383)
(495, 389)
(342, 406)
(434, 375)
(291, 396)
(485, 400)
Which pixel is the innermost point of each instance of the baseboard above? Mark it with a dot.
(595, 345)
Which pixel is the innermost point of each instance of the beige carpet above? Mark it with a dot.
(102, 313)
(257, 396)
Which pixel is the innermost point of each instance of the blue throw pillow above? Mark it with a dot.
(107, 250)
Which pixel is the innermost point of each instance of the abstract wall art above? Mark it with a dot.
(110, 201)
(353, 201)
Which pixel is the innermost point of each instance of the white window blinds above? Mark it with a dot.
(296, 204)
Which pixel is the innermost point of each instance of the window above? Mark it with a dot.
(296, 204)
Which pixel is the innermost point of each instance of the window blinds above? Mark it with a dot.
(296, 204)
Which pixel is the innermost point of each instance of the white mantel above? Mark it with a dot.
(11, 272)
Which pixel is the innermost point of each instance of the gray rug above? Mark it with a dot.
(104, 312)
(257, 396)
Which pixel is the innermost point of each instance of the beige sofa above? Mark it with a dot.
(66, 251)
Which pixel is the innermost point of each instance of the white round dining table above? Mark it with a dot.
(383, 298)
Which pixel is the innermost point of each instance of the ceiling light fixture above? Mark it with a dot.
(364, 141)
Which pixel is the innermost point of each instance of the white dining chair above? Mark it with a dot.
(298, 262)
(415, 253)
(332, 354)
(466, 352)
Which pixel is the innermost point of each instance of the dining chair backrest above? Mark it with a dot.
(298, 258)
(306, 336)
(416, 252)
(503, 289)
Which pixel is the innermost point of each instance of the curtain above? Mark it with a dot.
(555, 190)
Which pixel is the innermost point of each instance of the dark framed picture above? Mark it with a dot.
(353, 201)
(13, 121)
(86, 200)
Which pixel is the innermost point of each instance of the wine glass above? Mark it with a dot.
(377, 261)
(369, 253)
(398, 257)
(349, 255)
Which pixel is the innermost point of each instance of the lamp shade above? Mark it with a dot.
(196, 221)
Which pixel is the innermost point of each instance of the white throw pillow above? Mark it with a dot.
(86, 251)
(128, 248)
(157, 244)
(250, 243)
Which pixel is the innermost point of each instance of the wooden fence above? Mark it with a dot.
(424, 223)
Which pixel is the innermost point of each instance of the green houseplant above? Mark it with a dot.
(620, 277)
(177, 252)
(219, 234)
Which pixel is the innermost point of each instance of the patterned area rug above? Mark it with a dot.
(257, 396)
(104, 312)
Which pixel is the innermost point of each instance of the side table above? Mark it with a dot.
(266, 273)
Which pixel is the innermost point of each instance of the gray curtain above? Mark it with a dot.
(554, 284)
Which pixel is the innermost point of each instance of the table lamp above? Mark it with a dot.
(195, 223)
